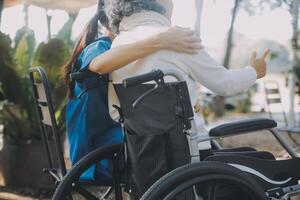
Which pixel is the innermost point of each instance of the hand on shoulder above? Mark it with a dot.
(182, 40)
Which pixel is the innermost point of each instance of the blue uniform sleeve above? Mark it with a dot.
(92, 51)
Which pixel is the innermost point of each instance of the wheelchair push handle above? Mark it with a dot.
(155, 75)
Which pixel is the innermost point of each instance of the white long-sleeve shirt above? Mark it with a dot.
(200, 67)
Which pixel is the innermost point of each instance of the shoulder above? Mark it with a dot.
(93, 50)
(101, 44)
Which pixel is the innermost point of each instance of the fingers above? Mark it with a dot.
(177, 28)
(259, 64)
(197, 46)
(182, 28)
(266, 53)
(191, 43)
(263, 57)
(194, 39)
(189, 33)
(183, 31)
(193, 46)
(182, 40)
(189, 49)
(253, 56)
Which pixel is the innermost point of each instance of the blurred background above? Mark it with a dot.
(42, 33)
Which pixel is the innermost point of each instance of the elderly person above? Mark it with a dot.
(135, 20)
(89, 125)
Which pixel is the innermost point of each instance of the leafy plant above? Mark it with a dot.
(65, 32)
(24, 52)
(18, 113)
(19, 35)
(52, 62)
(10, 83)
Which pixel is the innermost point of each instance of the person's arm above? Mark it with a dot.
(175, 39)
(217, 78)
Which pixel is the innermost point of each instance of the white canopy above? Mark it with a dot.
(71, 6)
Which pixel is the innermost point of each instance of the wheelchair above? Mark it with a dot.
(161, 155)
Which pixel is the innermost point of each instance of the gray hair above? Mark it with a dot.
(117, 9)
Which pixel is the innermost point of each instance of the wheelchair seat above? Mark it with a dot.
(268, 173)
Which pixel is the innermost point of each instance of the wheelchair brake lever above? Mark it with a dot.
(121, 120)
(144, 96)
(159, 82)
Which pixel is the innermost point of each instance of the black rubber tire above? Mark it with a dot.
(184, 174)
(65, 186)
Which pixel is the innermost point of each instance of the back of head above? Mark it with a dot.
(115, 10)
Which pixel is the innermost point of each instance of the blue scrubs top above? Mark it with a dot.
(89, 125)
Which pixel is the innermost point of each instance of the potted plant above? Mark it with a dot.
(22, 156)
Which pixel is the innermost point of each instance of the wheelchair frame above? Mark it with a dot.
(56, 168)
(111, 152)
(194, 138)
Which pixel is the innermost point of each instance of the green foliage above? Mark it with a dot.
(66, 31)
(274, 55)
(18, 113)
(52, 61)
(52, 54)
(296, 69)
(37, 54)
(10, 83)
(6, 50)
(253, 7)
(13, 113)
(244, 106)
(24, 52)
(19, 35)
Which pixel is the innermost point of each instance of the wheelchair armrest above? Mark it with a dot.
(240, 127)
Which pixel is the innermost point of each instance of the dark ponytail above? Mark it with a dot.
(89, 34)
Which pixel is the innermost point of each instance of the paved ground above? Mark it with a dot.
(261, 140)
(9, 196)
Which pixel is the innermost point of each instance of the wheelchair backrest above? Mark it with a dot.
(156, 119)
(46, 118)
(156, 113)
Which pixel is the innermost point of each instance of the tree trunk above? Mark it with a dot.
(295, 17)
(25, 10)
(294, 10)
(73, 17)
(229, 45)
(49, 17)
(1, 9)
(220, 101)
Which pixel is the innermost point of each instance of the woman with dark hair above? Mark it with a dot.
(89, 125)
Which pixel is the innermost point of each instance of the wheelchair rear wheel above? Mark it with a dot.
(209, 181)
(71, 185)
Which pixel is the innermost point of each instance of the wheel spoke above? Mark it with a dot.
(83, 192)
(71, 182)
